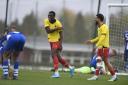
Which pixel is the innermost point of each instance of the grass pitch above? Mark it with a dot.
(43, 78)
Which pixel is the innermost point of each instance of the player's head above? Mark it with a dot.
(98, 59)
(51, 16)
(113, 52)
(99, 18)
(13, 28)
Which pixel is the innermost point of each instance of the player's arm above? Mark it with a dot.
(2, 39)
(61, 39)
(59, 26)
(61, 36)
(92, 40)
(47, 27)
(48, 30)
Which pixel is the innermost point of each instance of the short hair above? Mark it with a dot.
(13, 27)
(54, 14)
(100, 16)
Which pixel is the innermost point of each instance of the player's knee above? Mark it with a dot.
(106, 62)
(54, 52)
(5, 55)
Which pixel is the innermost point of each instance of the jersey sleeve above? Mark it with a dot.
(3, 39)
(104, 30)
(95, 39)
(58, 24)
(46, 24)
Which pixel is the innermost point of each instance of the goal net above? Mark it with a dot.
(117, 20)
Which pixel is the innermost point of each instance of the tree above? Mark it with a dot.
(67, 19)
(30, 25)
(79, 29)
(2, 27)
(90, 25)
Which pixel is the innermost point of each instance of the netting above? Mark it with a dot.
(118, 23)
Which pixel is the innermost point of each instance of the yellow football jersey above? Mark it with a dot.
(55, 36)
(102, 40)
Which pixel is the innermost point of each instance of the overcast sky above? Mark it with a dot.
(19, 8)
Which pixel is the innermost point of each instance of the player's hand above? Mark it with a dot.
(58, 28)
(88, 42)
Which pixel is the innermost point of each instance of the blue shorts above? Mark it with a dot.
(126, 55)
(15, 43)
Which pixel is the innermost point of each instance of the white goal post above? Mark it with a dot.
(117, 20)
(113, 5)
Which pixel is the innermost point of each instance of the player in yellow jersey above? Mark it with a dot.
(102, 43)
(54, 30)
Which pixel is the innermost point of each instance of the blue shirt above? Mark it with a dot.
(2, 41)
(8, 36)
(2, 44)
(126, 40)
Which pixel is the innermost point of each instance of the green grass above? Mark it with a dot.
(43, 78)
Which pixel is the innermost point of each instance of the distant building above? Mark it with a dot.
(37, 52)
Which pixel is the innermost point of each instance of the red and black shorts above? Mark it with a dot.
(103, 52)
(55, 45)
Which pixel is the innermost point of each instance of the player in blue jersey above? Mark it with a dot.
(1, 51)
(126, 50)
(15, 43)
(2, 44)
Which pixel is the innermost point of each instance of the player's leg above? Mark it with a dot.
(0, 65)
(10, 70)
(16, 64)
(55, 61)
(126, 60)
(62, 60)
(5, 64)
(1, 55)
(65, 63)
(6, 53)
(99, 54)
(18, 47)
(1, 59)
(125, 55)
(107, 63)
(1, 62)
(55, 48)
